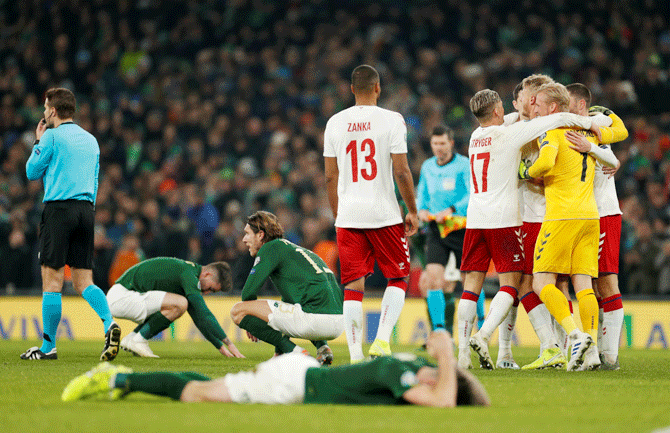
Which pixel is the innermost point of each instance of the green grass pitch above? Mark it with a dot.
(634, 399)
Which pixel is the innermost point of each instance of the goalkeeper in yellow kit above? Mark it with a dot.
(568, 240)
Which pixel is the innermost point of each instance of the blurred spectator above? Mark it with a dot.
(639, 262)
(208, 111)
(128, 255)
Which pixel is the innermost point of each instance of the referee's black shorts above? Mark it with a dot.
(439, 248)
(66, 234)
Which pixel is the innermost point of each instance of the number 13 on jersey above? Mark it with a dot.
(479, 167)
(368, 150)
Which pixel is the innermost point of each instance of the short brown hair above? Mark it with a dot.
(364, 78)
(533, 82)
(223, 276)
(470, 392)
(441, 130)
(63, 101)
(267, 223)
(580, 91)
(557, 93)
(483, 103)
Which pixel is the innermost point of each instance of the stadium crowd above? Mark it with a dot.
(207, 111)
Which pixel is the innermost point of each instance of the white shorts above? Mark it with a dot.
(131, 305)
(290, 320)
(280, 380)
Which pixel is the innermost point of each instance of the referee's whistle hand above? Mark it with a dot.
(41, 127)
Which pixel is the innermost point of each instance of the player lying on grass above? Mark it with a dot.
(156, 292)
(311, 300)
(295, 378)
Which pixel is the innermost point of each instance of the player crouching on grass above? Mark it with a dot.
(295, 378)
(156, 292)
(311, 299)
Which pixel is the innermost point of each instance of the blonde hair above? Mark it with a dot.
(533, 82)
(483, 103)
(557, 93)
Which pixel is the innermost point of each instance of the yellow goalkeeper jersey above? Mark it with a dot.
(568, 177)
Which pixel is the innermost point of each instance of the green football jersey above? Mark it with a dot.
(167, 274)
(381, 381)
(300, 276)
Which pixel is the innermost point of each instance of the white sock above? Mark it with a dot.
(500, 306)
(601, 320)
(353, 328)
(540, 318)
(612, 324)
(506, 331)
(561, 336)
(139, 339)
(392, 303)
(467, 311)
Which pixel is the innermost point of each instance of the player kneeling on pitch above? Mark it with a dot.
(156, 292)
(295, 378)
(311, 299)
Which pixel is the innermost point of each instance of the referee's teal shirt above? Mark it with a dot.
(68, 160)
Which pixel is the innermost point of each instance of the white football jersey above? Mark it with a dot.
(362, 138)
(532, 195)
(494, 166)
(605, 191)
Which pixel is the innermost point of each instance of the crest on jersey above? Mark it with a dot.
(408, 379)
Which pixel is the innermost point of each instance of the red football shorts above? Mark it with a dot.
(503, 245)
(359, 248)
(530, 231)
(610, 239)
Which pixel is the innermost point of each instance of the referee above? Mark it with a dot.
(443, 193)
(66, 158)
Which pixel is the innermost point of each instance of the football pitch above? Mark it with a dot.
(633, 399)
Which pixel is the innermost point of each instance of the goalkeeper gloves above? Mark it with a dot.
(523, 170)
(600, 109)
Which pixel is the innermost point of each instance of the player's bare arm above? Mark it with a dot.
(230, 351)
(332, 174)
(581, 144)
(440, 392)
(403, 178)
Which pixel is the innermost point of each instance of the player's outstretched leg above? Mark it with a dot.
(579, 342)
(51, 315)
(35, 353)
(466, 312)
(137, 345)
(550, 357)
(112, 343)
(96, 382)
(505, 334)
(481, 347)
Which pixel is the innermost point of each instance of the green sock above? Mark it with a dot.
(261, 330)
(449, 311)
(163, 384)
(319, 343)
(154, 325)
